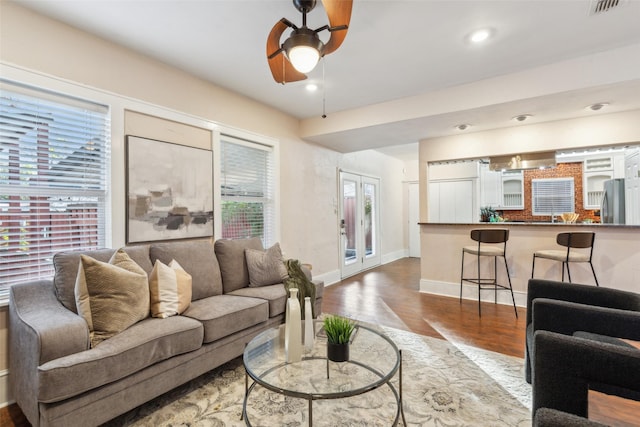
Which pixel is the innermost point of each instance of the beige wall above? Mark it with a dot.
(617, 250)
(45, 50)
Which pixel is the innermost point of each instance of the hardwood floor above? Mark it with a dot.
(389, 295)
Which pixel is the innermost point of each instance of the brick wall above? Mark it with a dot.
(563, 170)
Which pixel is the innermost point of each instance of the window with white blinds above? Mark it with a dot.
(54, 153)
(247, 190)
(552, 196)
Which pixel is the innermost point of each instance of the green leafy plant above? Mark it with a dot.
(486, 213)
(338, 329)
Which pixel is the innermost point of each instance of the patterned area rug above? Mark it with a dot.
(443, 385)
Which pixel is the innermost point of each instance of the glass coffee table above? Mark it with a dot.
(373, 361)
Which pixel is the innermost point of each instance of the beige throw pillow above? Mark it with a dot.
(170, 289)
(111, 296)
(265, 267)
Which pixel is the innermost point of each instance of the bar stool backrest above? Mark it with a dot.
(576, 240)
(486, 235)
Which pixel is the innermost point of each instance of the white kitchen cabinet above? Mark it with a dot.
(503, 190)
(512, 190)
(593, 188)
(595, 171)
(632, 188)
(451, 201)
(490, 188)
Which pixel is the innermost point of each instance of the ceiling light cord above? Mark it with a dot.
(324, 92)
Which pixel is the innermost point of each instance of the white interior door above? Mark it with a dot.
(414, 218)
(359, 223)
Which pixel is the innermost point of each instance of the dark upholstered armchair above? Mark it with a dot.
(567, 367)
(574, 343)
(567, 308)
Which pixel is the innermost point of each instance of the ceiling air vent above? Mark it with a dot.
(601, 6)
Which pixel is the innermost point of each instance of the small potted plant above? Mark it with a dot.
(487, 213)
(338, 330)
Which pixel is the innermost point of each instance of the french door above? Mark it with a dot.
(359, 223)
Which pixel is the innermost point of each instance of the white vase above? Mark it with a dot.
(309, 333)
(292, 329)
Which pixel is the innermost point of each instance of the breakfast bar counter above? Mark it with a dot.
(616, 257)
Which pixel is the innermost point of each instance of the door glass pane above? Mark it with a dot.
(369, 219)
(349, 221)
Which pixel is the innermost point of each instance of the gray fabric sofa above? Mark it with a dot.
(58, 380)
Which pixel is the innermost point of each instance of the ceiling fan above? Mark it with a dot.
(301, 51)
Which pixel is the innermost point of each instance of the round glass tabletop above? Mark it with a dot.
(374, 359)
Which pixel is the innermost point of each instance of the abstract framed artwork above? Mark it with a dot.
(169, 191)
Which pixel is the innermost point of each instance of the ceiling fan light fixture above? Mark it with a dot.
(303, 58)
(303, 48)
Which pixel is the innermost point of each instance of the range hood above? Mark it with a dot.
(545, 159)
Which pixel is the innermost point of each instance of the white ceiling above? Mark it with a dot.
(386, 84)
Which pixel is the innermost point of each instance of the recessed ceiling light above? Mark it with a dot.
(521, 117)
(480, 35)
(463, 126)
(597, 106)
(311, 87)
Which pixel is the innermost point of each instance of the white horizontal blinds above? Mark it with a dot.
(246, 186)
(54, 153)
(552, 196)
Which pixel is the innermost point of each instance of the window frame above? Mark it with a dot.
(570, 193)
(250, 140)
(78, 184)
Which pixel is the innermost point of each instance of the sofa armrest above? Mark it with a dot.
(583, 294)
(306, 269)
(565, 366)
(567, 318)
(40, 329)
(39, 321)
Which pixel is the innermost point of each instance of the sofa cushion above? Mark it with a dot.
(198, 258)
(169, 289)
(223, 315)
(233, 264)
(111, 296)
(143, 344)
(66, 269)
(275, 295)
(265, 267)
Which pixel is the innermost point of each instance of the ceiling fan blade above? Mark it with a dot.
(281, 68)
(339, 13)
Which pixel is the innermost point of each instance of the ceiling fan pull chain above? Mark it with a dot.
(284, 72)
(324, 92)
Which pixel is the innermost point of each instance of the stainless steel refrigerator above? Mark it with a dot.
(612, 209)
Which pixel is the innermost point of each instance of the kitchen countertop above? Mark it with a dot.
(534, 223)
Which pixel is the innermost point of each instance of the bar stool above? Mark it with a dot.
(488, 240)
(577, 240)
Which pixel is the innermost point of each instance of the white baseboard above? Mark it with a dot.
(333, 277)
(5, 398)
(394, 256)
(470, 291)
(329, 278)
